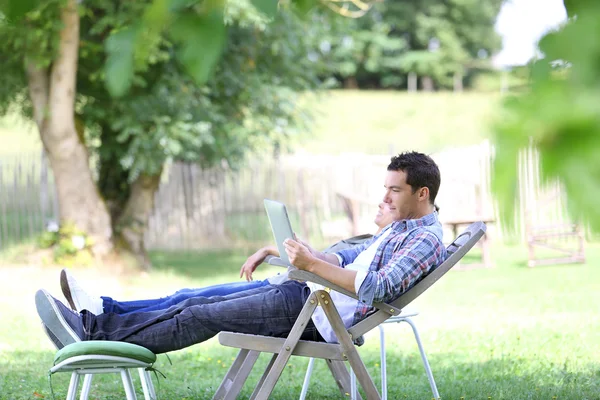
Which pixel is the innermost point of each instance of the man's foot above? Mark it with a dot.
(52, 338)
(78, 298)
(65, 325)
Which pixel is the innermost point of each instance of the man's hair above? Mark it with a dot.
(421, 171)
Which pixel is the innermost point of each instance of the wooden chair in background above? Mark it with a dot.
(563, 241)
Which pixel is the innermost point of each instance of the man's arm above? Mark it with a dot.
(256, 259)
(327, 257)
(407, 265)
(302, 258)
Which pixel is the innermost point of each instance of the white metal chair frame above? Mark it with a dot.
(404, 317)
(89, 365)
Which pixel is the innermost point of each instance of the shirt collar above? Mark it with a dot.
(427, 220)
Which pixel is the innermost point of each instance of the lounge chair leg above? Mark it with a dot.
(240, 378)
(434, 390)
(309, 369)
(263, 377)
(342, 377)
(346, 342)
(230, 376)
(288, 347)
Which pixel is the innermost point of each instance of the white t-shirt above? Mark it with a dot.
(345, 305)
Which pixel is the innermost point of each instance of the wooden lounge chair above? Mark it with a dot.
(335, 354)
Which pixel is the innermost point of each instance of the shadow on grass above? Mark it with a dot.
(196, 373)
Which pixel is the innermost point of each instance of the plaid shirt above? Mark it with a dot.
(412, 249)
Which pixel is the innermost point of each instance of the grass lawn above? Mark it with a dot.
(372, 122)
(386, 122)
(510, 332)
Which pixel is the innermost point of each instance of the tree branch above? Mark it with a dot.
(64, 72)
(344, 9)
(37, 82)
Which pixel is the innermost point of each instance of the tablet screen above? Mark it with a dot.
(280, 225)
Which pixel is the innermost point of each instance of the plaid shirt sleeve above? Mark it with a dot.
(347, 256)
(416, 257)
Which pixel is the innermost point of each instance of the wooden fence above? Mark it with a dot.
(27, 197)
(216, 208)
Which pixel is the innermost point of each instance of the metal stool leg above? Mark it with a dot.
(383, 363)
(73, 386)
(311, 364)
(128, 384)
(87, 384)
(150, 386)
(434, 390)
(353, 388)
(147, 385)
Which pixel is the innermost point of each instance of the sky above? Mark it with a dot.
(521, 23)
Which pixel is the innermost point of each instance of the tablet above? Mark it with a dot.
(280, 225)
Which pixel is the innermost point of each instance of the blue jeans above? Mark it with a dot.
(124, 307)
(268, 310)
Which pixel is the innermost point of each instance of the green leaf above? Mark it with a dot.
(201, 39)
(179, 5)
(119, 67)
(560, 118)
(304, 6)
(267, 7)
(154, 21)
(16, 9)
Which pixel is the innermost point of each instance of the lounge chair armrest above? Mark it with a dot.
(272, 260)
(310, 277)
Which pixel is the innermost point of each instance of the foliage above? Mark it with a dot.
(559, 116)
(433, 38)
(196, 26)
(34, 38)
(70, 246)
(251, 100)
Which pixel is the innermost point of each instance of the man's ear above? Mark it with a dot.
(424, 193)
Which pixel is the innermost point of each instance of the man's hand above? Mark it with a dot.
(299, 254)
(308, 246)
(330, 258)
(255, 260)
(302, 258)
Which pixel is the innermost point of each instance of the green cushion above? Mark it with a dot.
(105, 348)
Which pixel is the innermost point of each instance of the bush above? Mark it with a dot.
(70, 245)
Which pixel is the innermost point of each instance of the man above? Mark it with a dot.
(79, 299)
(379, 270)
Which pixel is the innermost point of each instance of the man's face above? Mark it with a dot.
(402, 202)
(384, 216)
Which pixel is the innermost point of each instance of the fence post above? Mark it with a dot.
(3, 233)
(44, 187)
(17, 220)
(301, 204)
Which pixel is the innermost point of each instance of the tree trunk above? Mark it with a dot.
(427, 83)
(113, 179)
(52, 91)
(458, 82)
(350, 83)
(412, 82)
(134, 218)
